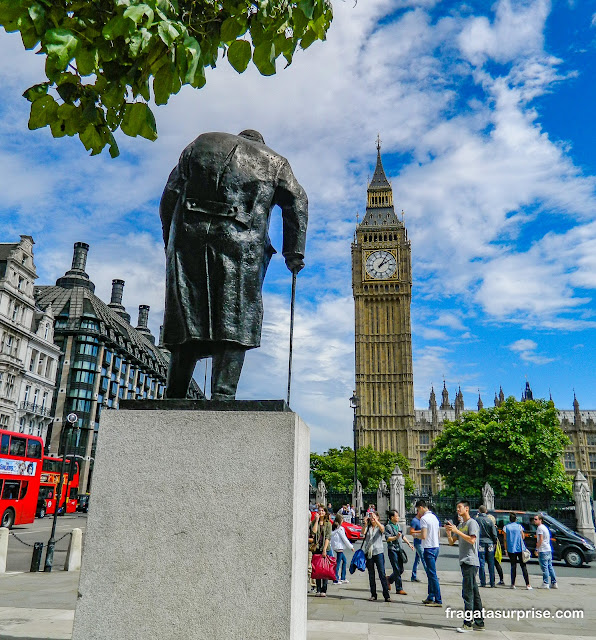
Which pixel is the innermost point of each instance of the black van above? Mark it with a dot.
(566, 544)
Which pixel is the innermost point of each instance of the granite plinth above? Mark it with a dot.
(203, 405)
(198, 527)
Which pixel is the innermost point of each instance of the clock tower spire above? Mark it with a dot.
(382, 288)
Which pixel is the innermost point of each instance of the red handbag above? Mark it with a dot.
(323, 567)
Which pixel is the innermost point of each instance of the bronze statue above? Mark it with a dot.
(215, 212)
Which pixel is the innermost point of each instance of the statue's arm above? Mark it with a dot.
(173, 191)
(292, 200)
(168, 203)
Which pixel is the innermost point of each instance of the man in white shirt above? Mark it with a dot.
(545, 554)
(429, 535)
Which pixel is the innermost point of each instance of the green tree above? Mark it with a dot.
(336, 468)
(105, 59)
(516, 448)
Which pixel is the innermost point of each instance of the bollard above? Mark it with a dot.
(75, 550)
(36, 557)
(3, 548)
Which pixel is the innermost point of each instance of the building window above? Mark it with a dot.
(9, 387)
(33, 358)
(425, 483)
(424, 437)
(27, 392)
(44, 400)
(22, 425)
(592, 458)
(35, 397)
(423, 459)
(4, 420)
(591, 438)
(569, 460)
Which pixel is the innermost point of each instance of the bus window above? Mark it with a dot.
(33, 449)
(24, 487)
(18, 446)
(73, 493)
(4, 445)
(11, 490)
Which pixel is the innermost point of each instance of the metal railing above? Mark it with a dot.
(36, 408)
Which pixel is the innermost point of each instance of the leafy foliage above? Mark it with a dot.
(336, 468)
(104, 58)
(516, 448)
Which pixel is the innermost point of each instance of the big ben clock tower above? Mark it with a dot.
(382, 286)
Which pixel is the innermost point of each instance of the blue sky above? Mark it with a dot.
(485, 113)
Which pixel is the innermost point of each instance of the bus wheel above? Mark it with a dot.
(8, 518)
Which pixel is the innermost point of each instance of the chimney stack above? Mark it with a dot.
(142, 322)
(117, 291)
(143, 316)
(76, 276)
(79, 258)
(116, 300)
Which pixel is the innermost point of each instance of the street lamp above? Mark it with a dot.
(354, 405)
(72, 419)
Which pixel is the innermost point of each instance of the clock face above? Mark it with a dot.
(381, 265)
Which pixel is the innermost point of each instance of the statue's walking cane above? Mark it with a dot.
(291, 332)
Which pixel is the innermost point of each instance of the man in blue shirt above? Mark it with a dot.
(514, 544)
(415, 526)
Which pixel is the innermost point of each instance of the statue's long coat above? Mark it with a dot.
(215, 213)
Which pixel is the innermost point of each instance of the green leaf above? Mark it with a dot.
(163, 83)
(36, 92)
(92, 139)
(87, 60)
(309, 37)
(118, 26)
(264, 58)
(231, 28)
(191, 54)
(136, 13)
(167, 32)
(43, 112)
(114, 151)
(29, 37)
(38, 14)
(299, 22)
(60, 45)
(113, 95)
(239, 55)
(139, 41)
(139, 121)
(307, 7)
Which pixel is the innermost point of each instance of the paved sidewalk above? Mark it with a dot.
(41, 607)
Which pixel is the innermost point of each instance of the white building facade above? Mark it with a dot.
(28, 356)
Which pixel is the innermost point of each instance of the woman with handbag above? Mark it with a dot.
(339, 542)
(375, 554)
(321, 530)
(516, 549)
(395, 551)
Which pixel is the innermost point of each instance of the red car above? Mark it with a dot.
(353, 531)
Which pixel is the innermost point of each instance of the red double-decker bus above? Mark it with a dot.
(48, 488)
(20, 471)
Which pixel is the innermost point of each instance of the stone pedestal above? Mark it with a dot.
(197, 527)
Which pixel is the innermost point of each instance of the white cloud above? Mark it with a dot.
(527, 351)
(523, 345)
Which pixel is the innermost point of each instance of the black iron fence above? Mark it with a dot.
(444, 507)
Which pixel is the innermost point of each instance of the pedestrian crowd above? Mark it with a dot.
(480, 551)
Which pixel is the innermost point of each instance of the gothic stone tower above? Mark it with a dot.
(382, 287)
